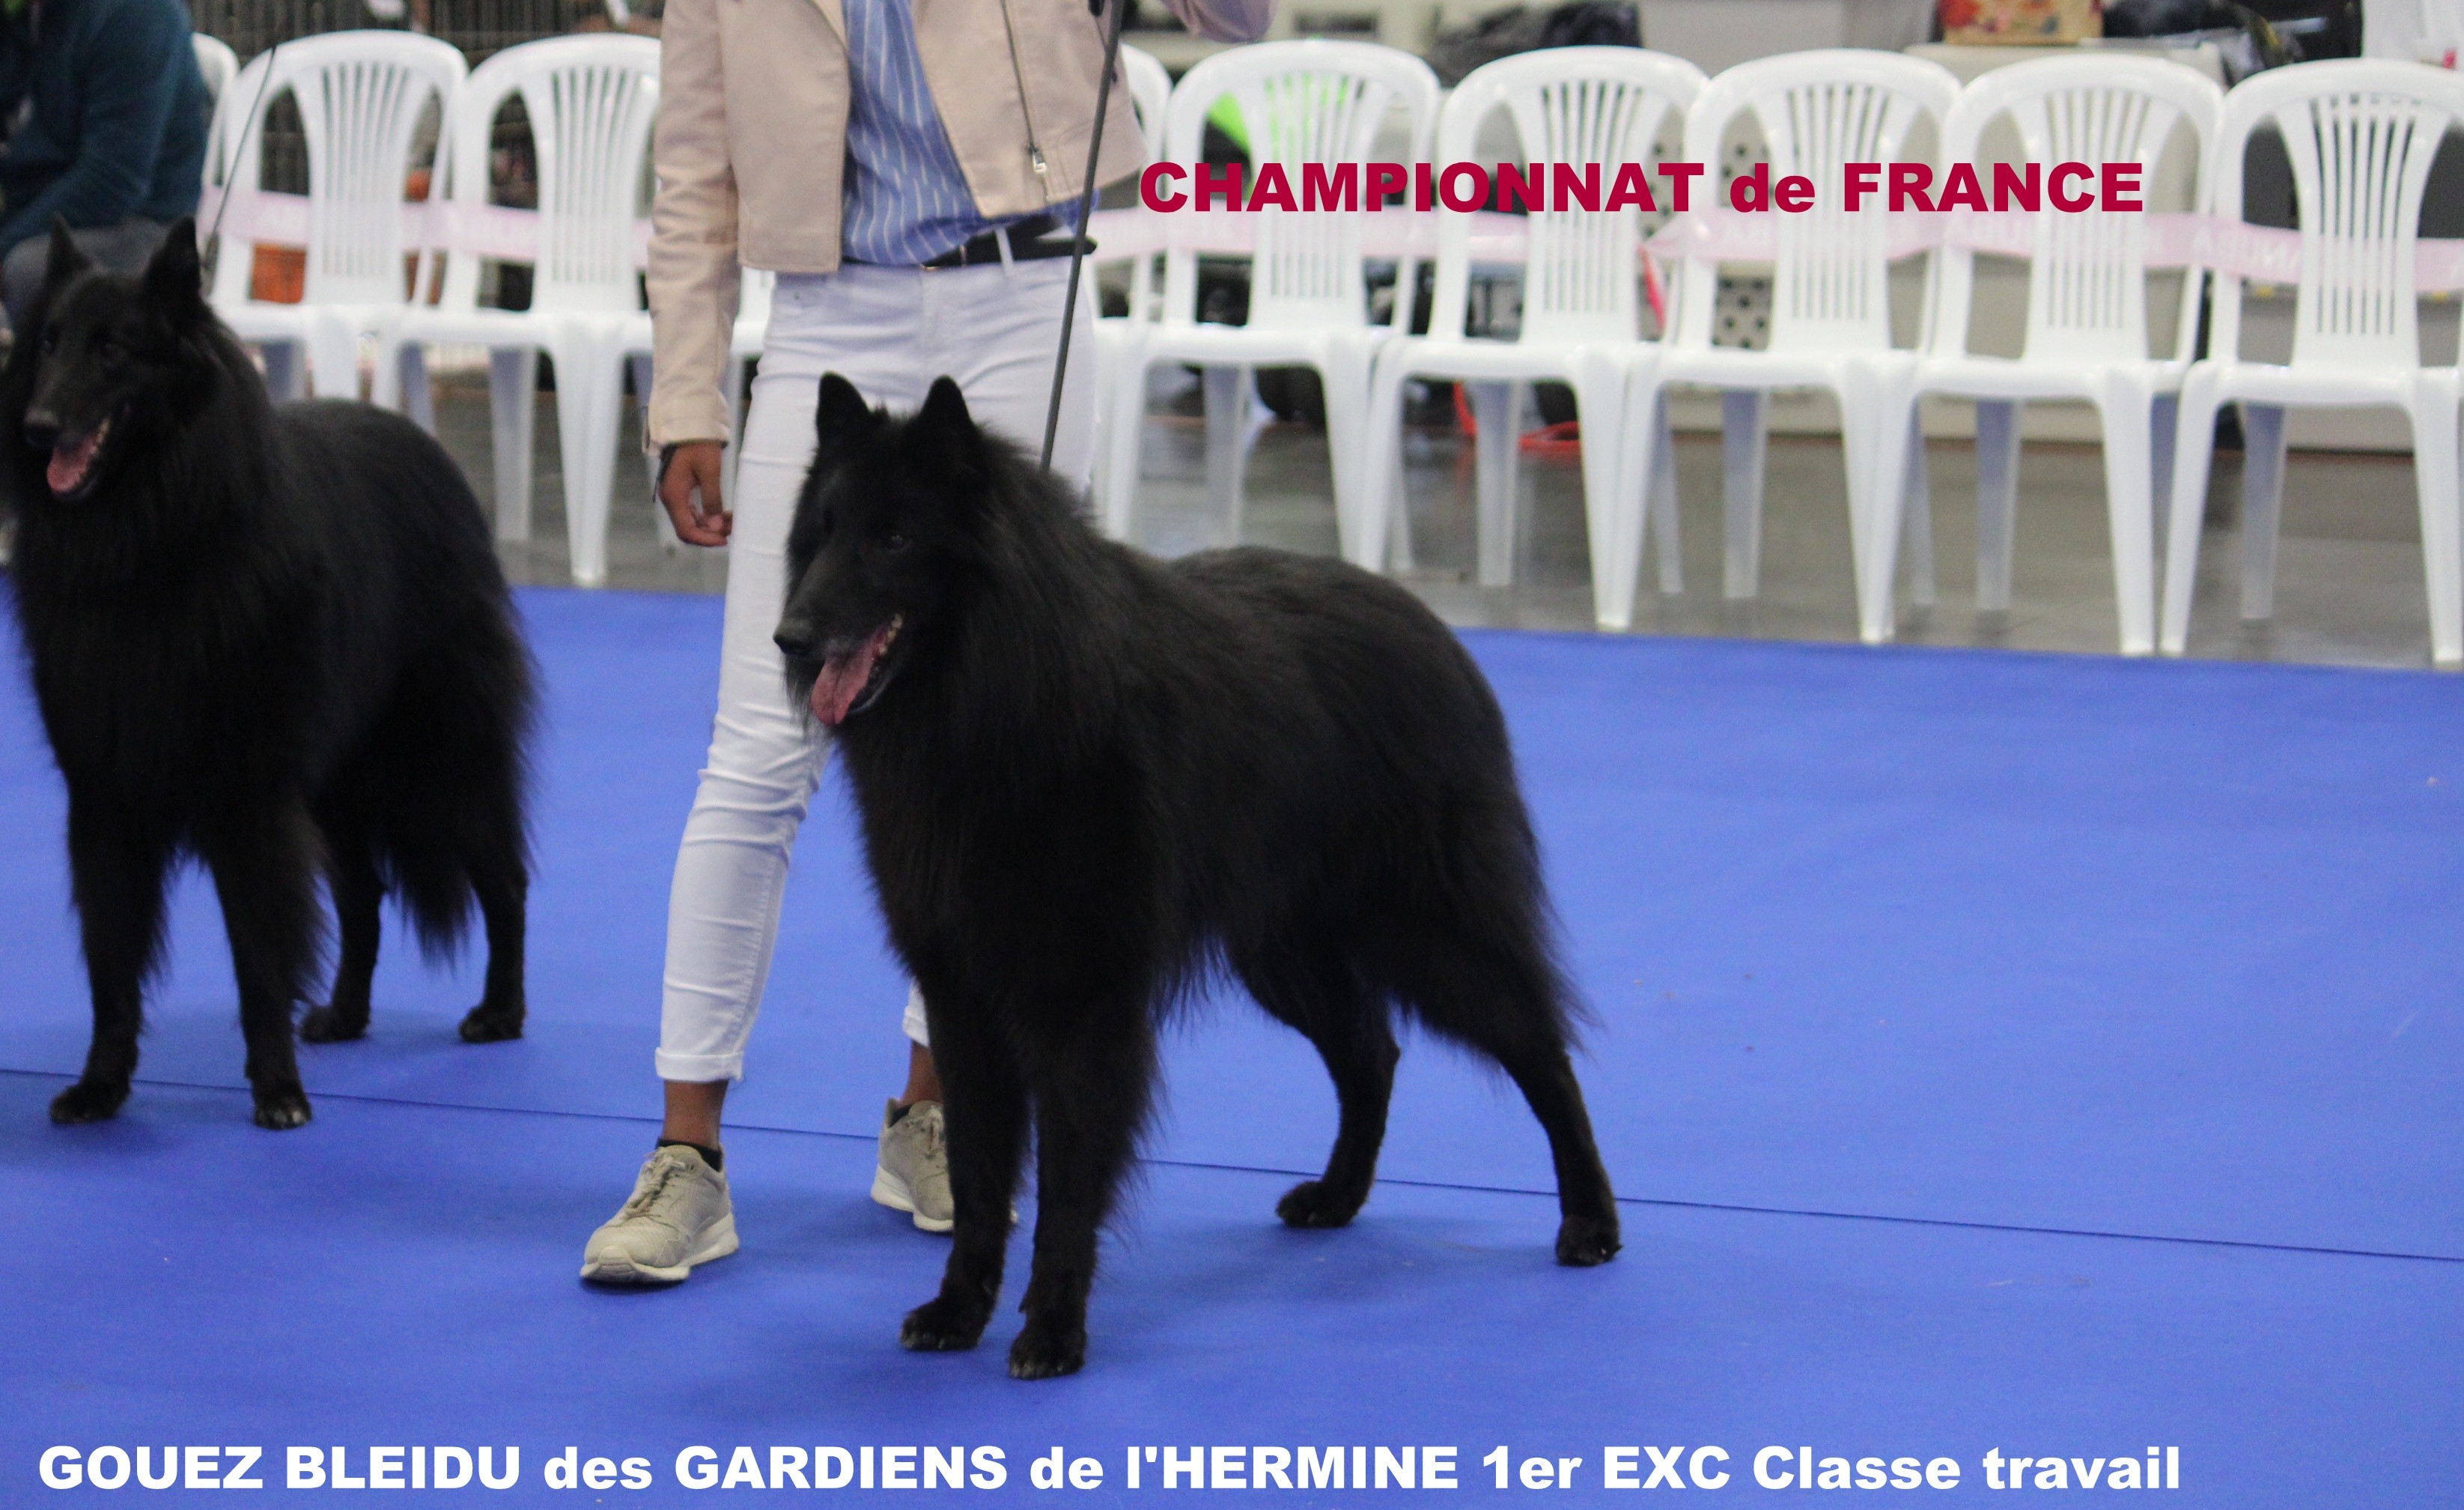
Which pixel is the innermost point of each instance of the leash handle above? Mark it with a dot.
(1085, 207)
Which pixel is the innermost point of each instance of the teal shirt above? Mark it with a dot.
(105, 115)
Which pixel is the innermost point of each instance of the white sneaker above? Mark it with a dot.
(679, 1216)
(915, 1171)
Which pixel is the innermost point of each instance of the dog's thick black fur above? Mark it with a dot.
(1086, 777)
(275, 640)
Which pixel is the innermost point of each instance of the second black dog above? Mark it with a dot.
(272, 639)
(1086, 776)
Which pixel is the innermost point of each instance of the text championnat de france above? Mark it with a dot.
(1533, 188)
(1140, 1467)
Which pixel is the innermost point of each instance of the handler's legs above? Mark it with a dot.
(890, 332)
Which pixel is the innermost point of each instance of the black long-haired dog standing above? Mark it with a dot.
(272, 639)
(1086, 776)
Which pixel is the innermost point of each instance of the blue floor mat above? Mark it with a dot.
(2068, 943)
(406, 1274)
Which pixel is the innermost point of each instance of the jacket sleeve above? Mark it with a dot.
(1225, 20)
(126, 87)
(693, 274)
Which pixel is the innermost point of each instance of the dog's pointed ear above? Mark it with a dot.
(841, 417)
(175, 279)
(944, 416)
(67, 259)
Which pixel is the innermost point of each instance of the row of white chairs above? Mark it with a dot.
(2360, 136)
(371, 256)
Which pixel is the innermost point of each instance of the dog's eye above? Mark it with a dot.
(109, 349)
(49, 343)
(893, 541)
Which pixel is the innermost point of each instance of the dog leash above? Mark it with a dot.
(1085, 207)
(239, 145)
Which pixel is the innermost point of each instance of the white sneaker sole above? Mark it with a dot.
(891, 1192)
(718, 1243)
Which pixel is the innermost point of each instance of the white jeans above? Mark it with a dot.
(889, 331)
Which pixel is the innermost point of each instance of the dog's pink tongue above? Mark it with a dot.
(843, 678)
(69, 463)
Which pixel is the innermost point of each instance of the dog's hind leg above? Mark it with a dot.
(1500, 995)
(264, 874)
(359, 901)
(1091, 1097)
(1327, 1001)
(503, 887)
(119, 887)
(983, 1112)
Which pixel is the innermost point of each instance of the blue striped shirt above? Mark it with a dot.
(907, 199)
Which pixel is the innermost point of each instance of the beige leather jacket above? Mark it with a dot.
(751, 134)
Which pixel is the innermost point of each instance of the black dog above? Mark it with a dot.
(1086, 776)
(266, 638)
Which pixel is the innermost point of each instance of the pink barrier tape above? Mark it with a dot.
(488, 231)
(2257, 253)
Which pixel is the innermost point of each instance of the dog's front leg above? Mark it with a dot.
(265, 876)
(117, 875)
(983, 1114)
(1088, 1110)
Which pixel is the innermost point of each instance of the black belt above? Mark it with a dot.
(1027, 243)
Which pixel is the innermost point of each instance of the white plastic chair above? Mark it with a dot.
(2361, 135)
(1582, 304)
(1150, 89)
(1304, 103)
(360, 95)
(590, 100)
(216, 64)
(2087, 334)
(1831, 318)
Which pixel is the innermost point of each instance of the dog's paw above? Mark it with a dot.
(1047, 1352)
(328, 1026)
(1583, 1241)
(89, 1100)
(1313, 1203)
(281, 1108)
(940, 1326)
(487, 1024)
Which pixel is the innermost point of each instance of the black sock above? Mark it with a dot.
(714, 1157)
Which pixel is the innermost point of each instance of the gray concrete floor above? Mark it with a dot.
(2349, 586)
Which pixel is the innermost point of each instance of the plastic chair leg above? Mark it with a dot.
(2195, 429)
(1123, 435)
(2262, 506)
(661, 529)
(513, 405)
(1385, 517)
(333, 359)
(1494, 413)
(286, 369)
(1229, 392)
(1660, 502)
(1916, 512)
(1616, 531)
(2435, 474)
(1874, 436)
(1997, 499)
(1343, 378)
(1745, 422)
(412, 391)
(2164, 417)
(585, 398)
(2127, 414)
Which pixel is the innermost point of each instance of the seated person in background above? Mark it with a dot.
(102, 123)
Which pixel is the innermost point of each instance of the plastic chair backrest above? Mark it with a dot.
(1304, 103)
(591, 100)
(1819, 111)
(2360, 134)
(1575, 106)
(216, 63)
(360, 95)
(2087, 286)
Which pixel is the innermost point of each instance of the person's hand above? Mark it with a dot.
(688, 490)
